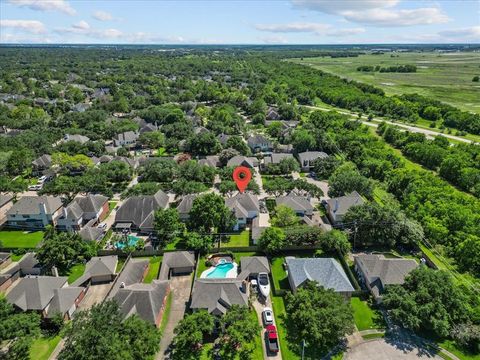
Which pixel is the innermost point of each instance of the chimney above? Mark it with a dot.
(43, 208)
(64, 212)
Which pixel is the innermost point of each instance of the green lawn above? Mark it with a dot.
(20, 239)
(120, 263)
(15, 257)
(111, 205)
(365, 317)
(202, 266)
(42, 348)
(75, 272)
(238, 240)
(279, 313)
(153, 269)
(258, 352)
(166, 313)
(280, 278)
(452, 347)
(373, 336)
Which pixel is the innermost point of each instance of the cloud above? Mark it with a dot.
(274, 39)
(375, 12)
(346, 32)
(465, 33)
(102, 15)
(31, 26)
(293, 27)
(315, 28)
(22, 38)
(45, 5)
(83, 28)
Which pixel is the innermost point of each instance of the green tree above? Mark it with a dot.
(152, 139)
(428, 300)
(238, 330)
(114, 338)
(284, 217)
(303, 140)
(195, 241)
(167, 225)
(318, 316)
(190, 333)
(325, 167)
(347, 179)
(210, 213)
(237, 143)
(272, 239)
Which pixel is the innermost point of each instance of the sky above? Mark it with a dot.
(239, 22)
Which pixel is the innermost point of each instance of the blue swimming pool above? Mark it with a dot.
(132, 241)
(220, 271)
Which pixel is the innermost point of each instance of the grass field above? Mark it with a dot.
(238, 240)
(20, 239)
(153, 269)
(365, 317)
(42, 348)
(446, 77)
(75, 272)
(166, 313)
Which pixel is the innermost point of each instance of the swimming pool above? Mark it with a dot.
(223, 270)
(132, 241)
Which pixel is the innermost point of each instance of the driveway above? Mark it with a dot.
(95, 294)
(259, 306)
(180, 288)
(257, 177)
(382, 350)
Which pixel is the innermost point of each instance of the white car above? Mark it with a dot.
(267, 316)
(102, 226)
(35, 187)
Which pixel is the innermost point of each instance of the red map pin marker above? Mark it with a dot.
(242, 176)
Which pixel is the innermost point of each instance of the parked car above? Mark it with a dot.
(267, 316)
(42, 179)
(35, 187)
(264, 284)
(102, 226)
(271, 338)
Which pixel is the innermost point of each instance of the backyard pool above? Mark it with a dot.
(222, 270)
(132, 241)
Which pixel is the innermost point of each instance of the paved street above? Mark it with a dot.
(180, 287)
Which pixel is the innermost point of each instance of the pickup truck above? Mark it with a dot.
(271, 338)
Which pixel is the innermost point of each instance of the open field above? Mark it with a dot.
(446, 77)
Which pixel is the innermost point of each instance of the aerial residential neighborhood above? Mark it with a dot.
(313, 194)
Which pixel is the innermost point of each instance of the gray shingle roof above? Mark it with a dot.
(217, 295)
(381, 271)
(29, 205)
(311, 155)
(44, 161)
(127, 136)
(242, 204)
(89, 233)
(178, 259)
(326, 271)
(258, 139)
(342, 204)
(139, 210)
(296, 203)
(63, 299)
(91, 203)
(78, 138)
(186, 203)
(98, 266)
(144, 300)
(240, 160)
(5, 198)
(35, 293)
(275, 158)
(132, 273)
(255, 264)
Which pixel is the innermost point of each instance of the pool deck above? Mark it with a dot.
(231, 274)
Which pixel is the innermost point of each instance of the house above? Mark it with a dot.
(137, 212)
(308, 158)
(223, 138)
(185, 206)
(47, 295)
(327, 272)
(210, 160)
(81, 107)
(78, 138)
(145, 300)
(218, 295)
(283, 148)
(12, 271)
(251, 266)
(91, 233)
(338, 207)
(134, 271)
(272, 114)
(240, 160)
(5, 259)
(34, 212)
(177, 263)
(99, 269)
(245, 207)
(275, 159)
(90, 208)
(259, 224)
(126, 139)
(376, 272)
(41, 164)
(300, 204)
(132, 162)
(6, 202)
(259, 143)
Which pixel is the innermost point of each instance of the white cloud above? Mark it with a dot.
(22, 38)
(83, 28)
(31, 26)
(293, 27)
(339, 6)
(314, 28)
(472, 33)
(375, 12)
(147, 38)
(274, 40)
(82, 25)
(345, 32)
(46, 5)
(102, 15)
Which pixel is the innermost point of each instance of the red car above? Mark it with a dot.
(271, 337)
